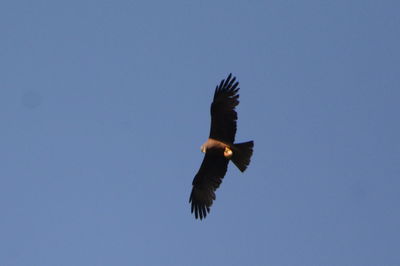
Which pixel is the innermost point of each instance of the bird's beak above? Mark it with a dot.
(203, 149)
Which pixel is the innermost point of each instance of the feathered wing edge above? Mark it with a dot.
(227, 85)
(199, 210)
(206, 182)
(223, 113)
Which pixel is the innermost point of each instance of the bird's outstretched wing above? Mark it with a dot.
(223, 114)
(206, 181)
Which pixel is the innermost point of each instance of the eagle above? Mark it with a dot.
(220, 148)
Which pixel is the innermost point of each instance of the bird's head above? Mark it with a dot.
(203, 148)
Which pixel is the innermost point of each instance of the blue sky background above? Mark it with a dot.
(104, 106)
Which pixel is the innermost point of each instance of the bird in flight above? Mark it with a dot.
(219, 149)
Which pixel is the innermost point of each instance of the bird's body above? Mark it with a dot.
(219, 149)
(213, 143)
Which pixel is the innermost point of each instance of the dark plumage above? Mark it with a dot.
(219, 148)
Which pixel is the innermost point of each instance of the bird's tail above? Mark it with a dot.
(241, 154)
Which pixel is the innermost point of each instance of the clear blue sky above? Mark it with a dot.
(104, 106)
